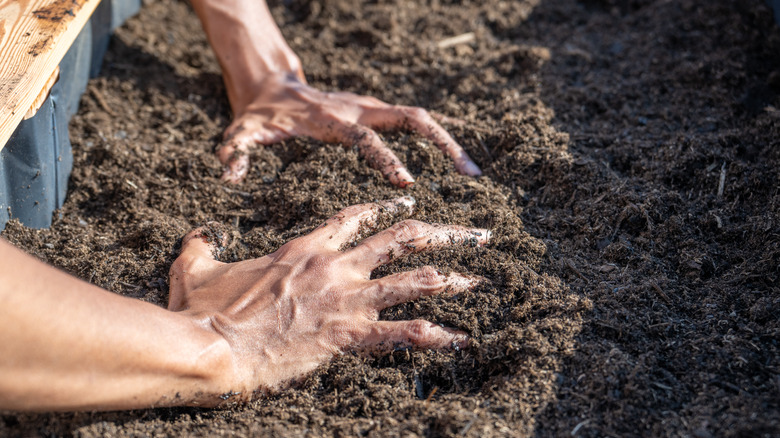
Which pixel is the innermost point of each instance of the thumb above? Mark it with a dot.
(200, 249)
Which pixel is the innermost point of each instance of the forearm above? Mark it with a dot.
(248, 44)
(69, 345)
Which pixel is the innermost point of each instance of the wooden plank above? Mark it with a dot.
(44, 94)
(34, 37)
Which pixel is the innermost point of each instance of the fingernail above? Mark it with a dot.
(470, 168)
(406, 201)
(459, 342)
(228, 175)
(482, 236)
(403, 178)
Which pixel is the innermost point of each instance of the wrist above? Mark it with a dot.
(246, 69)
(215, 366)
(248, 45)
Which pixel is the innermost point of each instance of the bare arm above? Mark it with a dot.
(271, 100)
(231, 331)
(249, 46)
(67, 344)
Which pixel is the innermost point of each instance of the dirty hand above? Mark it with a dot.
(288, 312)
(285, 106)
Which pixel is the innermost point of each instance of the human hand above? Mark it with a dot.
(288, 312)
(285, 106)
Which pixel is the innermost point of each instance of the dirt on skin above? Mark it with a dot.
(632, 169)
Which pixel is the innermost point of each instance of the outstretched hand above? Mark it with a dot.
(285, 106)
(288, 312)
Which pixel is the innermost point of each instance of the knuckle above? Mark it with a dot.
(369, 136)
(353, 210)
(358, 212)
(184, 264)
(362, 137)
(416, 113)
(371, 314)
(429, 278)
(291, 250)
(419, 331)
(408, 230)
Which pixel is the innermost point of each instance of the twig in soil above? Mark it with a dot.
(430, 396)
(570, 265)
(722, 182)
(454, 41)
(571, 50)
(611, 327)
(102, 101)
(662, 386)
(468, 425)
(718, 221)
(578, 427)
(238, 192)
(484, 146)
(130, 285)
(418, 387)
(731, 386)
(661, 293)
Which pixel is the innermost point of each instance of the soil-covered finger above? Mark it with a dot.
(411, 236)
(387, 336)
(371, 147)
(209, 240)
(347, 225)
(234, 155)
(233, 152)
(411, 285)
(200, 251)
(423, 123)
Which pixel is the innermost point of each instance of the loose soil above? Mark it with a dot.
(632, 169)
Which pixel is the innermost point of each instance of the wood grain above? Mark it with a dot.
(34, 37)
(43, 95)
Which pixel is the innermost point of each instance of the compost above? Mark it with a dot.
(631, 173)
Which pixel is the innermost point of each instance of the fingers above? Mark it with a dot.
(421, 121)
(345, 226)
(199, 251)
(411, 285)
(207, 241)
(412, 236)
(386, 336)
(234, 151)
(235, 157)
(371, 147)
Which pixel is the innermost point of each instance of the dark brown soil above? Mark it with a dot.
(633, 293)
